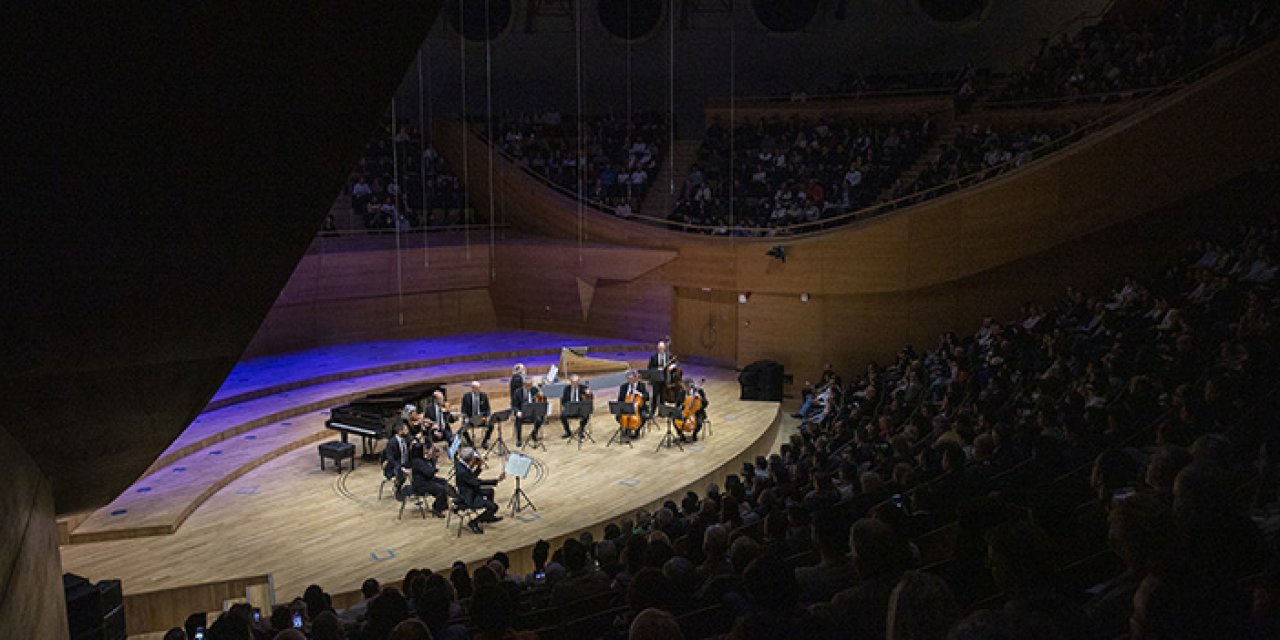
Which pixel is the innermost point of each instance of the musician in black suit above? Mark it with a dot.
(520, 399)
(687, 389)
(634, 385)
(661, 360)
(517, 378)
(395, 457)
(575, 391)
(439, 419)
(475, 410)
(423, 464)
(474, 492)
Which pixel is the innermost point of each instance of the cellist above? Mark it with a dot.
(635, 393)
(692, 403)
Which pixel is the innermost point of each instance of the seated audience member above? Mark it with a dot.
(355, 613)
(326, 626)
(495, 614)
(1142, 531)
(921, 607)
(385, 612)
(583, 578)
(772, 595)
(176, 633)
(654, 624)
(835, 571)
(880, 558)
(410, 629)
(1023, 566)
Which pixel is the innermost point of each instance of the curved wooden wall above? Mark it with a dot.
(902, 277)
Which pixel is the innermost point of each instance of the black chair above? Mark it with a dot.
(596, 625)
(458, 508)
(405, 494)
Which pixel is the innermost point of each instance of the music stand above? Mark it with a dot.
(670, 439)
(496, 419)
(537, 412)
(619, 409)
(582, 411)
(518, 466)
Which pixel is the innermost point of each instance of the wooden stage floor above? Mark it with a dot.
(303, 525)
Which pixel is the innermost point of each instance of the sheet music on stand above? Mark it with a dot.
(518, 465)
(551, 374)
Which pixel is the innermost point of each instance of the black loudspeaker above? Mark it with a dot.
(761, 380)
(94, 611)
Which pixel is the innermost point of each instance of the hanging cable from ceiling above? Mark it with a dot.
(488, 108)
(577, 12)
(396, 215)
(464, 133)
(424, 217)
(671, 105)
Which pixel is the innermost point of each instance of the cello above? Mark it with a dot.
(632, 422)
(688, 420)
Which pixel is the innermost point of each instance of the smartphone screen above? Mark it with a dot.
(257, 615)
(199, 634)
(297, 621)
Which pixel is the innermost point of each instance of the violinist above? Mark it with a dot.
(685, 402)
(634, 392)
(474, 492)
(575, 391)
(521, 399)
(518, 375)
(423, 461)
(475, 410)
(439, 419)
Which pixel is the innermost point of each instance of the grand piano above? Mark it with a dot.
(376, 416)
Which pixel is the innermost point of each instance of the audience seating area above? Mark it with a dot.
(621, 153)
(775, 172)
(1123, 55)
(428, 193)
(1084, 468)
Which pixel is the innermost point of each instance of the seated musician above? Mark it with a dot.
(439, 419)
(525, 396)
(634, 385)
(413, 418)
(575, 391)
(687, 389)
(395, 458)
(661, 360)
(422, 462)
(475, 410)
(474, 492)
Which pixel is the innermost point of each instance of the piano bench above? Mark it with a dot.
(337, 451)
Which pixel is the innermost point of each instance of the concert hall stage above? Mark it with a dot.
(241, 492)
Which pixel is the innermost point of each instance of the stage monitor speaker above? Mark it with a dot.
(761, 380)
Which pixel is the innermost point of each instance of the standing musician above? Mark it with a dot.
(687, 390)
(412, 417)
(475, 410)
(517, 378)
(634, 386)
(661, 360)
(395, 458)
(575, 391)
(474, 492)
(439, 419)
(423, 462)
(521, 398)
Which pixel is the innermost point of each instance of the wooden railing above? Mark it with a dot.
(159, 611)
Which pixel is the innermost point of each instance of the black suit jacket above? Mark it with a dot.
(653, 359)
(517, 383)
(518, 399)
(644, 391)
(470, 485)
(567, 394)
(424, 472)
(471, 411)
(680, 398)
(394, 454)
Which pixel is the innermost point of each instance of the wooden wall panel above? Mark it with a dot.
(32, 604)
(706, 325)
(344, 296)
